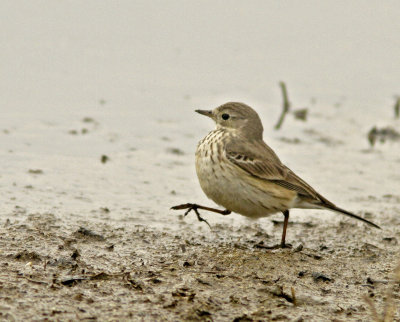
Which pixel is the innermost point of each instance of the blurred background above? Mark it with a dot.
(163, 55)
(85, 79)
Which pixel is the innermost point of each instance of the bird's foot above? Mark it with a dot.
(277, 246)
(190, 207)
(193, 205)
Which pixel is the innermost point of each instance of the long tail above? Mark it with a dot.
(347, 213)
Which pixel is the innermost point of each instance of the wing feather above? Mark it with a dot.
(260, 161)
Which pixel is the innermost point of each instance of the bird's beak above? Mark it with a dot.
(205, 112)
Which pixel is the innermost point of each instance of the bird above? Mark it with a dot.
(240, 172)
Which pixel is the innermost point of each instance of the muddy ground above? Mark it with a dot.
(52, 269)
(89, 237)
(97, 141)
(86, 230)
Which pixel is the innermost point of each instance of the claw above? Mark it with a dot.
(183, 206)
(198, 216)
(190, 207)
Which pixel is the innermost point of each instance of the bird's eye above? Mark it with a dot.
(225, 116)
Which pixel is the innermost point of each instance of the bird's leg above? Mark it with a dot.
(195, 207)
(192, 206)
(282, 244)
(285, 223)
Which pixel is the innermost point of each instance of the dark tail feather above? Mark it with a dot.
(345, 212)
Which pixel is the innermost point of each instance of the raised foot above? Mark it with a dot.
(190, 207)
(195, 207)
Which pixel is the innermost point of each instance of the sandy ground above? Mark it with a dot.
(97, 137)
(58, 270)
(92, 237)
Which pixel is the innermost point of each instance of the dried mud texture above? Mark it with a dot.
(52, 269)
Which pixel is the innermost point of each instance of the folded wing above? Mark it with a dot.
(265, 164)
(259, 160)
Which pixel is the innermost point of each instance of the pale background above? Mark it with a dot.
(140, 68)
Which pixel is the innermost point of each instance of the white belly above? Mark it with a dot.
(231, 187)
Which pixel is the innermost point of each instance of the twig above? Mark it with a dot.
(389, 311)
(293, 296)
(285, 107)
(389, 308)
(34, 281)
(397, 108)
(372, 308)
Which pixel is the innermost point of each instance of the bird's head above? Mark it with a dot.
(237, 117)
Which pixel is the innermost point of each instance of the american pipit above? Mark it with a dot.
(238, 171)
